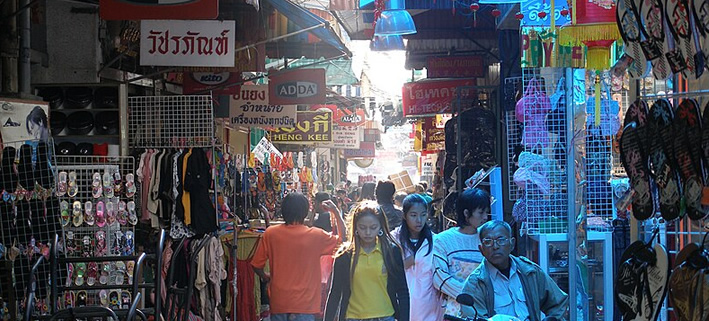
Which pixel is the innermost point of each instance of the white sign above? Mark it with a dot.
(194, 43)
(265, 147)
(22, 120)
(249, 107)
(428, 164)
(344, 137)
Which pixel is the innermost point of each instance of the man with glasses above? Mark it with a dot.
(504, 284)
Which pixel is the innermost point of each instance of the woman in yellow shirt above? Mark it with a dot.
(369, 282)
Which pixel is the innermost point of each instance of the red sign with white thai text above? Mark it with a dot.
(434, 97)
(301, 86)
(455, 67)
(158, 9)
(216, 82)
(199, 43)
(434, 137)
(343, 117)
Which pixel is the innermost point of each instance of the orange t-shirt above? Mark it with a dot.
(293, 253)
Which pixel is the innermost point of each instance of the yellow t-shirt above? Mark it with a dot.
(369, 297)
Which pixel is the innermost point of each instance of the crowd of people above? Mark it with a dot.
(377, 259)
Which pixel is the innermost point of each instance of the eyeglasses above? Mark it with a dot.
(503, 241)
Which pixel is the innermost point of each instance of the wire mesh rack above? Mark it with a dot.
(513, 133)
(169, 121)
(29, 214)
(542, 112)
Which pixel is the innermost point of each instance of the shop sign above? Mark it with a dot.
(434, 97)
(202, 43)
(249, 107)
(344, 137)
(343, 117)
(434, 137)
(371, 135)
(202, 82)
(428, 164)
(366, 150)
(310, 127)
(532, 8)
(442, 119)
(541, 49)
(158, 9)
(455, 67)
(301, 86)
(265, 147)
(22, 120)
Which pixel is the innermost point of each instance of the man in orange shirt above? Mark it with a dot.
(293, 252)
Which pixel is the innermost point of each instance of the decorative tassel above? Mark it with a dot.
(597, 111)
(553, 15)
(598, 58)
(578, 34)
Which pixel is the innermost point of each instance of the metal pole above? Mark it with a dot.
(570, 192)
(458, 148)
(24, 26)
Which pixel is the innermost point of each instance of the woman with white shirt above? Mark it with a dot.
(416, 240)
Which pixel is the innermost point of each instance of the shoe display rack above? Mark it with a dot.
(97, 201)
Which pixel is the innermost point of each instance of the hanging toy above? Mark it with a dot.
(474, 7)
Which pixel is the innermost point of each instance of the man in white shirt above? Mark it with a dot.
(510, 285)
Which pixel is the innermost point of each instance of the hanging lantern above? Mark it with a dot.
(564, 12)
(596, 28)
(474, 7)
(519, 16)
(542, 14)
(495, 12)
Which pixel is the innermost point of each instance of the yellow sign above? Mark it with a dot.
(311, 127)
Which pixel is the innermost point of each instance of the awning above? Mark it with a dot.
(338, 72)
(305, 19)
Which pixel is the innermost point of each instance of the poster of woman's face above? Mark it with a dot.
(22, 120)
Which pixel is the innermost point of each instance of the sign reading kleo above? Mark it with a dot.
(455, 67)
(310, 127)
(302, 86)
(343, 117)
(158, 9)
(200, 43)
(366, 150)
(434, 97)
(216, 82)
(249, 107)
(344, 137)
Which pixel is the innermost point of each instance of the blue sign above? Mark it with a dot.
(532, 8)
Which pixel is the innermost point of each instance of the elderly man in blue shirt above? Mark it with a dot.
(504, 284)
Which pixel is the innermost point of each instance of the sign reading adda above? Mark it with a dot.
(302, 86)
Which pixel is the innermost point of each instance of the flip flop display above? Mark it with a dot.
(89, 217)
(687, 150)
(661, 163)
(100, 210)
(652, 14)
(62, 184)
(633, 154)
(78, 217)
(65, 216)
(641, 281)
(73, 188)
(130, 185)
(678, 19)
(700, 10)
(629, 27)
(96, 190)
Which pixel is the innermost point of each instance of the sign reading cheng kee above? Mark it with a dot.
(311, 127)
(302, 86)
(249, 107)
(200, 43)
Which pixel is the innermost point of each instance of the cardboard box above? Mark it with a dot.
(403, 182)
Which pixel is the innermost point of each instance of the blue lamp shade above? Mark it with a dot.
(387, 43)
(395, 20)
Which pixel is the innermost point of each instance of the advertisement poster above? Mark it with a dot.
(434, 97)
(344, 137)
(249, 107)
(24, 120)
(158, 9)
(456, 67)
(204, 82)
(200, 43)
(310, 127)
(301, 86)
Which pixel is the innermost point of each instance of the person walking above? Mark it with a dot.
(385, 198)
(369, 282)
(293, 252)
(416, 240)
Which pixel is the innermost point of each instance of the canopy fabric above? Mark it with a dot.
(338, 72)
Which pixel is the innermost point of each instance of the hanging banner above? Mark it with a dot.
(310, 127)
(343, 117)
(541, 49)
(200, 43)
(265, 147)
(158, 9)
(249, 107)
(301, 86)
(434, 137)
(433, 97)
(344, 137)
(366, 150)
(455, 67)
(23, 120)
(203, 82)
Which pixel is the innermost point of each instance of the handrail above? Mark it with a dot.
(133, 307)
(158, 273)
(84, 312)
(31, 288)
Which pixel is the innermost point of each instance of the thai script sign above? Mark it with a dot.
(301, 86)
(344, 137)
(434, 137)
(434, 97)
(249, 107)
(265, 147)
(541, 49)
(217, 82)
(455, 67)
(158, 9)
(343, 117)
(366, 150)
(311, 127)
(201, 43)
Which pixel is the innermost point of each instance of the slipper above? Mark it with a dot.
(69, 243)
(652, 25)
(702, 26)
(78, 217)
(87, 246)
(301, 160)
(117, 183)
(679, 21)
(125, 300)
(632, 287)
(629, 27)
(114, 300)
(105, 273)
(705, 150)
(635, 162)
(108, 184)
(661, 164)
(118, 243)
(110, 213)
(132, 216)
(130, 185)
(96, 190)
(80, 271)
(69, 299)
(119, 274)
(81, 298)
(89, 216)
(100, 244)
(687, 150)
(61, 184)
(92, 274)
(73, 188)
(65, 216)
(130, 269)
(69, 274)
(128, 249)
(103, 298)
(100, 218)
(122, 216)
